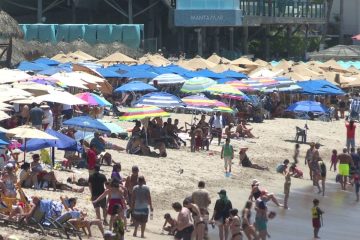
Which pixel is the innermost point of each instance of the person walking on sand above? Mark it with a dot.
(234, 223)
(316, 213)
(287, 185)
(350, 134)
(217, 125)
(345, 161)
(296, 153)
(309, 157)
(315, 168)
(201, 198)
(221, 213)
(322, 167)
(227, 153)
(356, 179)
(333, 160)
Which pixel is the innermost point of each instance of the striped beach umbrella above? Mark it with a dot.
(224, 109)
(240, 85)
(197, 85)
(226, 91)
(139, 113)
(167, 79)
(93, 99)
(160, 99)
(202, 101)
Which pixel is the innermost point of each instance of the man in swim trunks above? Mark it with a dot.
(345, 161)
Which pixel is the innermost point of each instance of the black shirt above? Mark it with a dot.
(222, 210)
(97, 181)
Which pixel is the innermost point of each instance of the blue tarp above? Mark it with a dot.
(319, 87)
(63, 142)
(233, 74)
(108, 73)
(139, 74)
(46, 61)
(135, 86)
(29, 66)
(210, 74)
(66, 67)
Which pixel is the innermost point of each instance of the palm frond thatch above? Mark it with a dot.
(9, 26)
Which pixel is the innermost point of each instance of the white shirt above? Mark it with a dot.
(217, 122)
(48, 118)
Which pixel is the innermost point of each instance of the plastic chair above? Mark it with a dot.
(300, 133)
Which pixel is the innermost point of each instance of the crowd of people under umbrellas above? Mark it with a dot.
(130, 197)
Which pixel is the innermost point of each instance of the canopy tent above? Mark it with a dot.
(46, 61)
(319, 87)
(93, 99)
(61, 142)
(108, 73)
(227, 66)
(214, 58)
(86, 123)
(307, 106)
(160, 99)
(135, 86)
(139, 74)
(197, 85)
(60, 97)
(167, 79)
(233, 74)
(30, 66)
(67, 67)
(117, 57)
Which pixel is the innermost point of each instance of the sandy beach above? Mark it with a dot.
(167, 185)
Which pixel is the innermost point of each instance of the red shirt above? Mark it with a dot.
(91, 159)
(350, 133)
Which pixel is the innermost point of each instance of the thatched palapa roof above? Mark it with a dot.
(9, 26)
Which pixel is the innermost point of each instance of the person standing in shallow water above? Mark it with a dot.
(350, 134)
(316, 213)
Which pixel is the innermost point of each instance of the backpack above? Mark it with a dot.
(322, 168)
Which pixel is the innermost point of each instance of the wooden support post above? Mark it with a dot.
(245, 38)
(231, 40)
(199, 41)
(267, 42)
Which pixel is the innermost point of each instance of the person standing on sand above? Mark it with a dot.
(333, 159)
(227, 153)
(221, 213)
(350, 134)
(315, 168)
(96, 186)
(287, 185)
(296, 153)
(309, 157)
(202, 199)
(345, 161)
(316, 213)
(356, 179)
(184, 223)
(234, 223)
(217, 124)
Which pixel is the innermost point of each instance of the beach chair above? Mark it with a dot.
(67, 227)
(300, 133)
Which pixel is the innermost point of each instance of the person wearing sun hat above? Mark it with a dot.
(221, 213)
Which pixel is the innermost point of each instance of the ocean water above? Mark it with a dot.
(341, 220)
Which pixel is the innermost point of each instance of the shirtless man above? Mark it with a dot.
(345, 161)
(229, 133)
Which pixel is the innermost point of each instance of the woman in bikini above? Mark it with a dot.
(234, 223)
(116, 196)
(247, 227)
(198, 218)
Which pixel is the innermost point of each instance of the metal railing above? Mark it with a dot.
(283, 8)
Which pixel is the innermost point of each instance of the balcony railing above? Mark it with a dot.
(283, 8)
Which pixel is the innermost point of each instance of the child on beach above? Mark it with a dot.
(356, 181)
(296, 153)
(287, 185)
(171, 229)
(295, 171)
(283, 167)
(316, 213)
(333, 160)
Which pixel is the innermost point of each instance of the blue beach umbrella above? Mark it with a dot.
(136, 74)
(210, 74)
(233, 74)
(160, 99)
(86, 123)
(135, 86)
(307, 106)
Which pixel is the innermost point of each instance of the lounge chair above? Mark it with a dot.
(67, 227)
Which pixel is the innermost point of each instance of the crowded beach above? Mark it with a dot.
(108, 150)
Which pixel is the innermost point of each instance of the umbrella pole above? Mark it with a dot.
(53, 157)
(25, 151)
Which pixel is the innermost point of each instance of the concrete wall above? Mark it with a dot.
(351, 15)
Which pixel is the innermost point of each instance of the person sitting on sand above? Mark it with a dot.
(234, 224)
(283, 167)
(171, 229)
(245, 161)
(26, 179)
(8, 181)
(177, 130)
(229, 133)
(243, 131)
(42, 175)
(295, 171)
